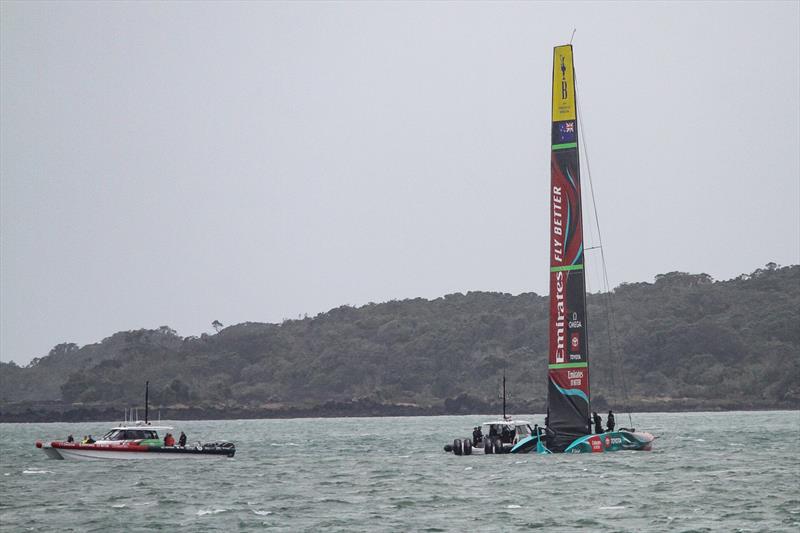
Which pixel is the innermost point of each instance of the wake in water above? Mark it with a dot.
(203, 512)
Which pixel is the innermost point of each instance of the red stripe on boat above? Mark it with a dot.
(132, 447)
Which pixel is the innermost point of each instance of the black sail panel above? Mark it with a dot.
(568, 370)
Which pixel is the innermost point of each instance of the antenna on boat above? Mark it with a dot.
(146, 400)
(573, 35)
(504, 395)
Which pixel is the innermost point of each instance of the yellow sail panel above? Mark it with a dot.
(563, 84)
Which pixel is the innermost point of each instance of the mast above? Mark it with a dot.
(568, 370)
(146, 401)
(504, 396)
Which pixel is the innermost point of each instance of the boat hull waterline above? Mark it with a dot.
(610, 441)
(99, 452)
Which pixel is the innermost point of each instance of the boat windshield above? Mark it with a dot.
(130, 434)
(524, 430)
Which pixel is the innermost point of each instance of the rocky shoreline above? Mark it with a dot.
(43, 412)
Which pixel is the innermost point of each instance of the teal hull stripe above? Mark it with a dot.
(629, 441)
(540, 447)
(580, 441)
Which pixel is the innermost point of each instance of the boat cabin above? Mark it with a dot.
(134, 432)
(509, 431)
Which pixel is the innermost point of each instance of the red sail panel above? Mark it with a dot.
(568, 371)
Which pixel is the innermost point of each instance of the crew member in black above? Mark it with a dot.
(70, 439)
(610, 421)
(477, 435)
(598, 423)
(182, 440)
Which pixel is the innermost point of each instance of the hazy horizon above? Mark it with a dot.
(177, 163)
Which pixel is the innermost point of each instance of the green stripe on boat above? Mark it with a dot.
(566, 267)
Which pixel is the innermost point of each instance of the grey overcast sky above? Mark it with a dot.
(176, 163)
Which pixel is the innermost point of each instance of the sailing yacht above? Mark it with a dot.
(568, 428)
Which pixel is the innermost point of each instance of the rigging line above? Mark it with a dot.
(612, 345)
(613, 336)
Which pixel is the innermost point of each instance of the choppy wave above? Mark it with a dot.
(397, 477)
(203, 512)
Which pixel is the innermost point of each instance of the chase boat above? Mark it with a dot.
(134, 441)
(495, 437)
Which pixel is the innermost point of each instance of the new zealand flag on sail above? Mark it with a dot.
(565, 132)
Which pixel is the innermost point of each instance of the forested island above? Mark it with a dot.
(683, 342)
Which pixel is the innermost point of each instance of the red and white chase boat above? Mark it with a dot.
(134, 441)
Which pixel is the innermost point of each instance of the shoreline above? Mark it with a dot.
(59, 412)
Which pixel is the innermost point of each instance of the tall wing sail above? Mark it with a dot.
(568, 371)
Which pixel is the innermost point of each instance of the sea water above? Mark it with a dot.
(736, 471)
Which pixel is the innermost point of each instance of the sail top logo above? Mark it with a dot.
(563, 85)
